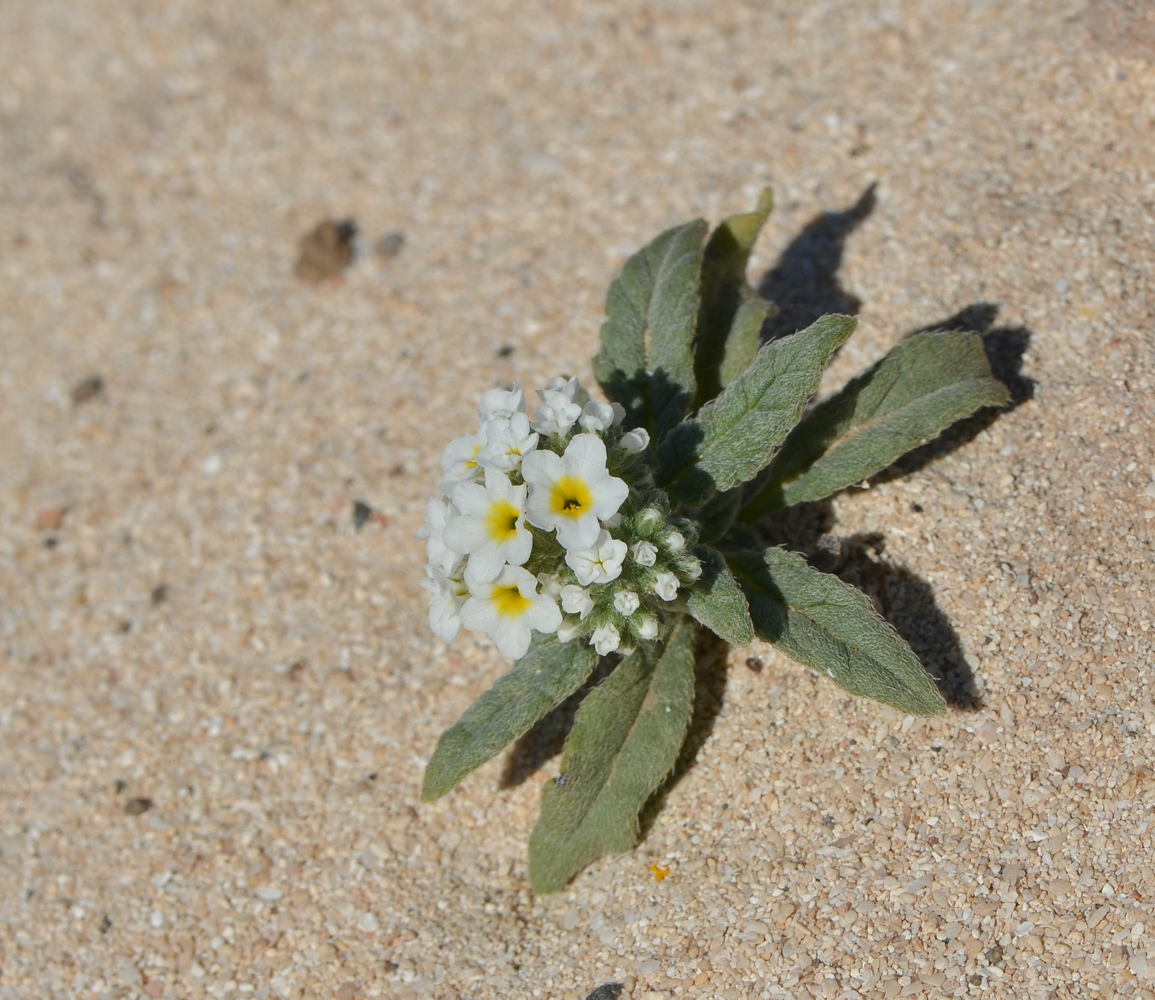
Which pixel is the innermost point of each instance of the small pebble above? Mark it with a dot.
(137, 806)
(361, 513)
(326, 250)
(87, 388)
(50, 518)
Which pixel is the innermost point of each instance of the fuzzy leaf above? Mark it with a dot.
(548, 674)
(734, 436)
(830, 627)
(744, 339)
(655, 299)
(717, 601)
(913, 394)
(624, 742)
(722, 340)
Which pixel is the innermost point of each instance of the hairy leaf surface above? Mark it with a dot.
(722, 339)
(829, 626)
(717, 601)
(734, 436)
(651, 317)
(548, 674)
(911, 396)
(624, 742)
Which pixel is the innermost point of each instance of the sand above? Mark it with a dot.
(217, 694)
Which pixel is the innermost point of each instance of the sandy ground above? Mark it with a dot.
(217, 695)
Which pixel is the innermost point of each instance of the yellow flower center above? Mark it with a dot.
(570, 497)
(471, 462)
(501, 522)
(508, 601)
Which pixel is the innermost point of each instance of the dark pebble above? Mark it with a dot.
(159, 593)
(137, 806)
(755, 663)
(326, 250)
(994, 955)
(361, 513)
(607, 991)
(86, 389)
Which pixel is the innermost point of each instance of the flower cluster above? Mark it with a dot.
(553, 525)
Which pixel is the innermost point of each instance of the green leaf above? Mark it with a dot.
(651, 317)
(744, 339)
(734, 436)
(717, 601)
(548, 674)
(624, 742)
(721, 339)
(830, 627)
(913, 394)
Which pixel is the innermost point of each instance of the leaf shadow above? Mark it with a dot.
(711, 659)
(1005, 348)
(907, 601)
(899, 594)
(546, 737)
(804, 283)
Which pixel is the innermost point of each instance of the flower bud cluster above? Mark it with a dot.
(553, 525)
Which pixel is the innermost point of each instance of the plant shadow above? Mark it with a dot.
(1005, 347)
(710, 673)
(804, 283)
(900, 595)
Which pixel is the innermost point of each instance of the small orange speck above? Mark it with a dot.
(659, 872)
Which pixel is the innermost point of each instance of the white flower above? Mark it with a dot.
(446, 595)
(675, 541)
(559, 412)
(644, 553)
(501, 403)
(508, 441)
(490, 528)
(648, 628)
(459, 459)
(666, 586)
(572, 492)
(619, 413)
(576, 600)
(600, 563)
(437, 514)
(510, 609)
(626, 602)
(635, 442)
(568, 387)
(605, 639)
(596, 416)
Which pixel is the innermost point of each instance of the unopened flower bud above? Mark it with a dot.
(606, 639)
(635, 442)
(675, 541)
(644, 553)
(649, 518)
(567, 630)
(626, 602)
(648, 628)
(690, 570)
(666, 585)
